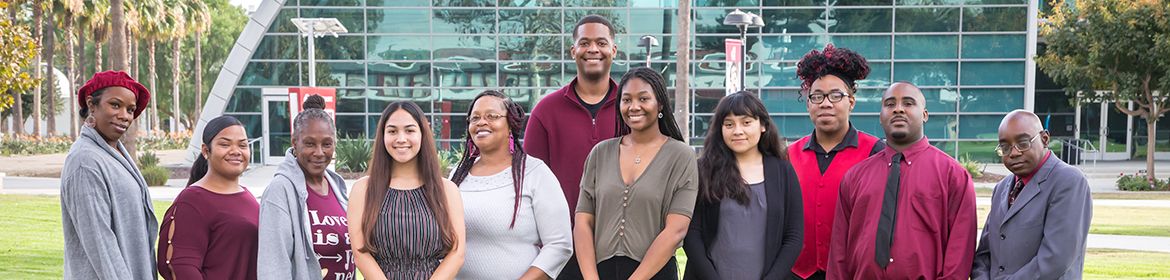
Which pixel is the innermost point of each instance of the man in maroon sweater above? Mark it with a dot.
(567, 123)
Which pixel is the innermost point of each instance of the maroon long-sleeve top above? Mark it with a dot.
(207, 235)
(934, 226)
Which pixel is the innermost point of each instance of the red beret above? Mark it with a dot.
(111, 78)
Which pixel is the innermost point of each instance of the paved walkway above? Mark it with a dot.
(1126, 242)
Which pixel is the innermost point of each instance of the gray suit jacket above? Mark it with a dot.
(1042, 235)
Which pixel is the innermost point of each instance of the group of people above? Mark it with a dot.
(596, 183)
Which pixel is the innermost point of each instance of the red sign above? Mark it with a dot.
(297, 96)
(733, 48)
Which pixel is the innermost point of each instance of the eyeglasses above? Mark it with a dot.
(1004, 149)
(488, 117)
(819, 98)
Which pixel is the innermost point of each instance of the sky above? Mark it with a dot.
(246, 3)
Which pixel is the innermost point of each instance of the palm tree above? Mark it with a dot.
(199, 20)
(177, 31)
(18, 105)
(69, 12)
(97, 18)
(118, 59)
(151, 27)
(49, 88)
(38, 28)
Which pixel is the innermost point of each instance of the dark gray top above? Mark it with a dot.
(738, 252)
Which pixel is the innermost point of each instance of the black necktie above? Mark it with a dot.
(1016, 188)
(885, 230)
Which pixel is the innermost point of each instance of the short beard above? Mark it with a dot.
(899, 135)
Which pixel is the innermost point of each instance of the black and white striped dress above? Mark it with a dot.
(407, 239)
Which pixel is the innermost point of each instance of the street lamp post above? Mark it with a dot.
(648, 42)
(743, 20)
(313, 28)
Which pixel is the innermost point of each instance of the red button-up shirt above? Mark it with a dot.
(934, 229)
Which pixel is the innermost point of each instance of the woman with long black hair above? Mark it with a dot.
(408, 220)
(211, 230)
(748, 221)
(638, 190)
(512, 201)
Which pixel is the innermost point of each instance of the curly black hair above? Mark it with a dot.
(841, 62)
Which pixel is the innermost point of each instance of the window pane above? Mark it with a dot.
(518, 47)
(283, 22)
(996, 2)
(879, 75)
(940, 127)
(465, 74)
(941, 100)
(528, 3)
(926, 47)
(351, 101)
(782, 101)
(616, 17)
(929, 2)
(341, 74)
(995, 19)
(793, 3)
(530, 74)
(992, 99)
(252, 125)
(982, 151)
(270, 74)
(869, 100)
(654, 21)
(653, 3)
(861, 20)
(979, 127)
(400, 74)
(664, 51)
(464, 47)
(277, 47)
(928, 20)
(244, 100)
(788, 47)
(352, 19)
(710, 21)
(727, 3)
(868, 123)
(399, 3)
(464, 21)
(994, 46)
(530, 21)
(344, 47)
(351, 127)
(864, 2)
(993, 73)
(780, 74)
(378, 99)
(465, 3)
(594, 3)
(351, 3)
(927, 73)
(778, 21)
(526, 97)
(401, 47)
(870, 47)
(399, 21)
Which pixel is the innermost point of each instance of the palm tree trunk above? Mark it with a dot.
(118, 58)
(97, 55)
(38, 28)
(682, 92)
(150, 47)
(175, 45)
(79, 74)
(198, 74)
(70, 67)
(18, 105)
(50, 85)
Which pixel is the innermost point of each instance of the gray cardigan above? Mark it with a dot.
(285, 249)
(106, 213)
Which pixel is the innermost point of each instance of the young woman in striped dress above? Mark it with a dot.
(409, 220)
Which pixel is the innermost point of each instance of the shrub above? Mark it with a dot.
(449, 158)
(973, 167)
(1139, 182)
(147, 159)
(162, 140)
(155, 175)
(34, 145)
(353, 155)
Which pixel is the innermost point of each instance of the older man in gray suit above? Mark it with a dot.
(1039, 215)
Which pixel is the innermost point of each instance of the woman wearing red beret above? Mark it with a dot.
(107, 217)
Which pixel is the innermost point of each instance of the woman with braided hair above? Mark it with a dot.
(828, 89)
(511, 200)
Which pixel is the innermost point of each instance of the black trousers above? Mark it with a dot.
(572, 270)
(623, 267)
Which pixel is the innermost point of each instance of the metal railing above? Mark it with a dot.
(1081, 147)
(255, 146)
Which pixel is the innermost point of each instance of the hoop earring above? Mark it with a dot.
(659, 115)
(89, 121)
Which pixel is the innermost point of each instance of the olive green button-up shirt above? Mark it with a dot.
(627, 218)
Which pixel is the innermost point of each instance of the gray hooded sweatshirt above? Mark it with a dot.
(285, 249)
(106, 213)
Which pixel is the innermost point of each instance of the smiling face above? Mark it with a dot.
(112, 112)
(403, 136)
(903, 113)
(593, 50)
(314, 147)
(488, 124)
(639, 107)
(829, 116)
(228, 153)
(742, 133)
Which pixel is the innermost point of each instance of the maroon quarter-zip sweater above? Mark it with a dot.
(561, 132)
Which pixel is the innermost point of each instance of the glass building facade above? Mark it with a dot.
(970, 57)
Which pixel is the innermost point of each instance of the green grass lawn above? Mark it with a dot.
(31, 246)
